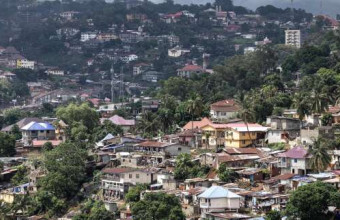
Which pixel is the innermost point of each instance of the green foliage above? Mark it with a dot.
(226, 175)
(20, 177)
(311, 201)
(186, 168)
(94, 210)
(320, 157)
(277, 146)
(107, 128)
(46, 202)
(15, 131)
(273, 215)
(11, 116)
(82, 113)
(134, 193)
(7, 145)
(66, 170)
(327, 119)
(47, 146)
(160, 206)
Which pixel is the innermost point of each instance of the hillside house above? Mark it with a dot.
(223, 110)
(295, 161)
(189, 70)
(282, 129)
(219, 200)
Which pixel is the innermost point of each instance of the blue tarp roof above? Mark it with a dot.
(38, 126)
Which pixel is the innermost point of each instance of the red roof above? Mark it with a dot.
(228, 105)
(40, 143)
(234, 150)
(285, 176)
(295, 153)
(191, 68)
(334, 109)
(333, 21)
(117, 120)
(95, 101)
(197, 124)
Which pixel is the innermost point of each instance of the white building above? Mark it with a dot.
(55, 72)
(24, 63)
(86, 36)
(177, 52)
(293, 38)
(218, 199)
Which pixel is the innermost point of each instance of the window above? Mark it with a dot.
(179, 149)
(130, 176)
(243, 134)
(137, 176)
(47, 132)
(295, 160)
(123, 176)
(243, 142)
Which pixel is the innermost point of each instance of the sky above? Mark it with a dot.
(329, 7)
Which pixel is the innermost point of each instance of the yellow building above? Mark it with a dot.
(232, 135)
(213, 134)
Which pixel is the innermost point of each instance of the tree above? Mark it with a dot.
(327, 119)
(7, 145)
(94, 210)
(186, 168)
(82, 113)
(149, 124)
(194, 108)
(20, 177)
(320, 157)
(225, 174)
(107, 128)
(311, 201)
(15, 131)
(134, 193)
(65, 167)
(157, 206)
(46, 202)
(302, 105)
(47, 146)
(273, 215)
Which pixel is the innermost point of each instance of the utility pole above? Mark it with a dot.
(112, 75)
(121, 84)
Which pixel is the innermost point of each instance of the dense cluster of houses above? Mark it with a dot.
(265, 175)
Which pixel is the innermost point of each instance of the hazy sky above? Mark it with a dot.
(330, 7)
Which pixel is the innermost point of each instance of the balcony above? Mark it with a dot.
(283, 164)
(204, 205)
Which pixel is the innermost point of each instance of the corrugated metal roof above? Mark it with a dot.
(218, 192)
(38, 126)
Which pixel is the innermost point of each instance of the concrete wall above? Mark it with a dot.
(175, 150)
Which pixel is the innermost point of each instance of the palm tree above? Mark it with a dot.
(149, 124)
(245, 112)
(320, 157)
(319, 101)
(194, 108)
(302, 105)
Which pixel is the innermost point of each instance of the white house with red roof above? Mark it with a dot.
(224, 109)
(188, 70)
(295, 161)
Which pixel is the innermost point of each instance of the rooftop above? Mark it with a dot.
(215, 192)
(38, 126)
(228, 105)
